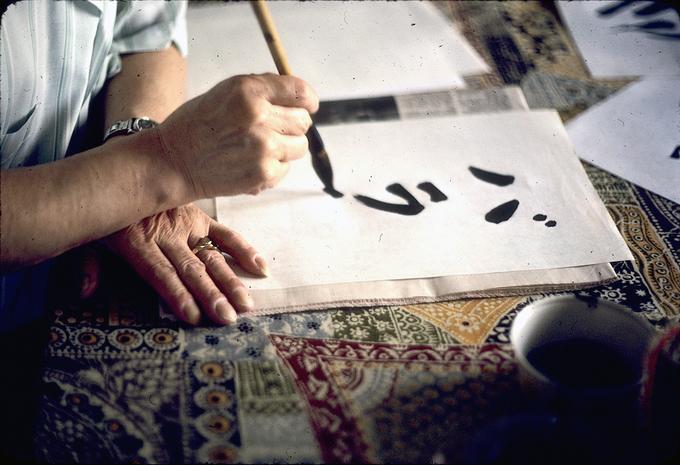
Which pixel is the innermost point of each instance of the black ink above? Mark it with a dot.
(583, 363)
(650, 25)
(540, 217)
(330, 190)
(435, 194)
(321, 163)
(657, 29)
(646, 10)
(653, 28)
(502, 212)
(614, 8)
(491, 177)
(653, 8)
(413, 207)
(551, 223)
(676, 153)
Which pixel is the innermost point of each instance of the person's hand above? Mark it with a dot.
(159, 248)
(240, 136)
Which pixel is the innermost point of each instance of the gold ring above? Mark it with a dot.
(205, 243)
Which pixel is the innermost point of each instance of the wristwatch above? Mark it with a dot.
(129, 126)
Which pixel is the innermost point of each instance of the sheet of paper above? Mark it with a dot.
(517, 199)
(635, 134)
(618, 38)
(343, 49)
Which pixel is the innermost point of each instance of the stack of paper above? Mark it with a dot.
(343, 49)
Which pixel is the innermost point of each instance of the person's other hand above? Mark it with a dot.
(240, 136)
(159, 248)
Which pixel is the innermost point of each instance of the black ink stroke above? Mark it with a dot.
(614, 8)
(330, 190)
(435, 194)
(676, 153)
(654, 8)
(502, 212)
(412, 207)
(652, 28)
(648, 9)
(662, 29)
(501, 180)
(551, 223)
(540, 217)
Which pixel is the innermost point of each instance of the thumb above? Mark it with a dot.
(90, 267)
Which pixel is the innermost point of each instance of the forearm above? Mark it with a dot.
(150, 84)
(48, 209)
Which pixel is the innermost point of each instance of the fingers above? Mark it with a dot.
(193, 273)
(291, 148)
(91, 271)
(152, 265)
(277, 171)
(266, 144)
(227, 281)
(289, 91)
(76, 275)
(235, 245)
(289, 121)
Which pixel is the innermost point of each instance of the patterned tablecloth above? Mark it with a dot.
(389, 384)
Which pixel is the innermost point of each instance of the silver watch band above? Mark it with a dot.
(129, 126)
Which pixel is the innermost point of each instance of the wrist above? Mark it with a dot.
(173, 185)
(177, 143)
(158, 180)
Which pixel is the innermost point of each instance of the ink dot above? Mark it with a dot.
(551, 223)
(540, 217)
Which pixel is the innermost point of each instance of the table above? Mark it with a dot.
(388, 384)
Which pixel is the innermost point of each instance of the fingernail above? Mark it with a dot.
(261, 264)
(84, 284)
(191, 312)
(85, 290)
(243, 300)
(225, 312)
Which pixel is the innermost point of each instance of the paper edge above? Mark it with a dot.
(592, 275)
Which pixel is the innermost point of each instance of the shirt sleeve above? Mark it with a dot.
(144, 26)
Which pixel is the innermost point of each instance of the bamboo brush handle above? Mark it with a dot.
(272, 37)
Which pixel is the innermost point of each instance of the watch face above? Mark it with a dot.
(145, 123)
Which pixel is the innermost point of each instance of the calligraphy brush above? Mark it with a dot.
(320, 160)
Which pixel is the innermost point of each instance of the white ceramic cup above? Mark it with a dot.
(567, 318)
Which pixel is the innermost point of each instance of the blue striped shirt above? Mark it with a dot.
(55, 57)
